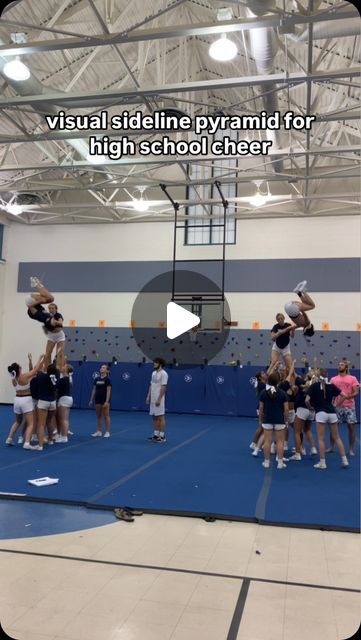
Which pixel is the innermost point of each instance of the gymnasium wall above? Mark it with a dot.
(270, 256)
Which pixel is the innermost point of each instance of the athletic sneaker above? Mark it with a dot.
(313, 451)
(301, 286)
(303, 451)
(61, 439)
(281, 465)
(9, 441)
(106, 435)
(96, 434)
(152, 438)
(252, 445)
(70, 433)
(35, 282)
(50, 442)
(34, 438)
(37, 448)
(26, 445)
(159, 439)
(122, 514)
(20, 440)
(320, 465)
(255, 452)
(296, 456)
(266, 464)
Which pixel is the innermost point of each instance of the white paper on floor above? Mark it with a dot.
(43, 482)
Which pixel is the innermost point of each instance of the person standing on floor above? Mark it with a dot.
(156, 400)
(346, 409)
(101, 394)
(23, 403)
(320, 396)
(273, 413)
(64, 403)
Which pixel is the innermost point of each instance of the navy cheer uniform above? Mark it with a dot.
(41, 315)
(273, 410)
(50, 327)
(64, 387)
(282, 341)
(101, 385)
(322, 400)
(46, 387)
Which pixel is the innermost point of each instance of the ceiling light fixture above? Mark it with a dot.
(259, 199)
(139, 204)
(223, 49)
(15, 209)
(16, 70)
(94, 159)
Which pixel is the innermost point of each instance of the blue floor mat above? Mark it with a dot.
(204, 468)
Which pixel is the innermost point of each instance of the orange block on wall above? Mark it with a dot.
(132, 324)
(256, 325)
(72, 323)
(325, 326)
(162, 325)
(101, 323)
(358, 326)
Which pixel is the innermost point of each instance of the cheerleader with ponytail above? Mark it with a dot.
(65, 402)
(47, 388)
(23, 403)
(320, 396)
(273, 414)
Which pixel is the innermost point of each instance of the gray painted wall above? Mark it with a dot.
(323, 274)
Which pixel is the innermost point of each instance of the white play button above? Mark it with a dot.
(179, 320)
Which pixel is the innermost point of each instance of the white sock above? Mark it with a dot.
(156, 432)
(323, 460)
(161, 434)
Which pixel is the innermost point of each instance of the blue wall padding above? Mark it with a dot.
(222, 391)
(212, 390)
(187, 391)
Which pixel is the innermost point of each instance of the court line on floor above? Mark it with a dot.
(38, 455)
(197, 572)
(145, 466)
(238, 612)
(260, 509)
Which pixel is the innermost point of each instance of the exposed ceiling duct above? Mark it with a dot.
(325, 30)
(263, 46)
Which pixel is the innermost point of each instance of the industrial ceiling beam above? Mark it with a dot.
(286, 22)
(29, 183)
(161, 160)
(339, 116)
(200, 85)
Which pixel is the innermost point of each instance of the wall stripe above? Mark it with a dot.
(323, 274)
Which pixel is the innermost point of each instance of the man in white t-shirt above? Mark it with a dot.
(156, 400)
